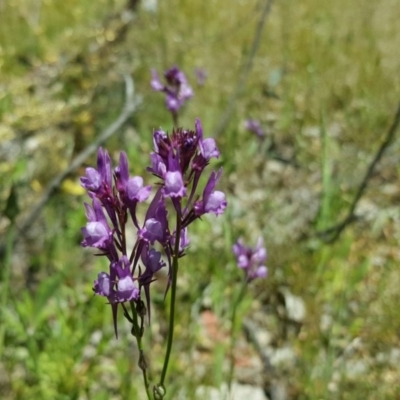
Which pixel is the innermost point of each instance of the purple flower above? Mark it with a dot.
(251, 260)
(122, 173)
(201, 76)
(136, 191)
(155, 81)
(208, 147)
(130, 189)
(184, 241)
(173, 183)
(92, 181)
(151, 231)
(212, 201)
(97, 232)
(254, 126)
(152, 261)
(174, 186)
(156, 223)
(177, 89)
(161, 143)
(99, 181)
(118, 286)
(158, 167)
(126, 288)
(102, 285)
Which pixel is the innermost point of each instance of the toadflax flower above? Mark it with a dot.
(177, 89)
(252, 261)
(213, 200)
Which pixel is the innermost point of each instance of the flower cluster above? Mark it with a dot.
(251, 260)
(177, 89)
(178, 161)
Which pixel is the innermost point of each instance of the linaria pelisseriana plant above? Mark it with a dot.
(252, 262)
(179, 160)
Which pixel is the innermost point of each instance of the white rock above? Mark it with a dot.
(295, 307)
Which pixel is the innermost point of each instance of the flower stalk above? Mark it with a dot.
(175, 267)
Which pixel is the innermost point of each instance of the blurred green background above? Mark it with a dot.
(324, 83)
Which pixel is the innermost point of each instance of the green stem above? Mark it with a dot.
(142, 361)
(238, 300)
(175, 119)
(6, 280)
(175, 266)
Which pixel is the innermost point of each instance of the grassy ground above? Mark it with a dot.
(324, 83)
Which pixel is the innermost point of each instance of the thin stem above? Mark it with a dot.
(6, 280)
(238, 300)
(175, 266)
(175, 119)
(142, 362)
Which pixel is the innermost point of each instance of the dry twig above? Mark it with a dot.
(331, 234)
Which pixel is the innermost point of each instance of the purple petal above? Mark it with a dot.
(199, 129)
(185, 92)
(152, 231)
(104, 166)
(154, 262)
(155, 81)
(208, 148)
(216, 203)
(262, 272)
(90, 214)
(102, 285)
(136, 191)
(243, 261)
(95, 235)
(92, 180)
(122, 172)
(159, 137)
(254, 126)
(158, 166)
(172, 103)
(174, 186)
(127, 289)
